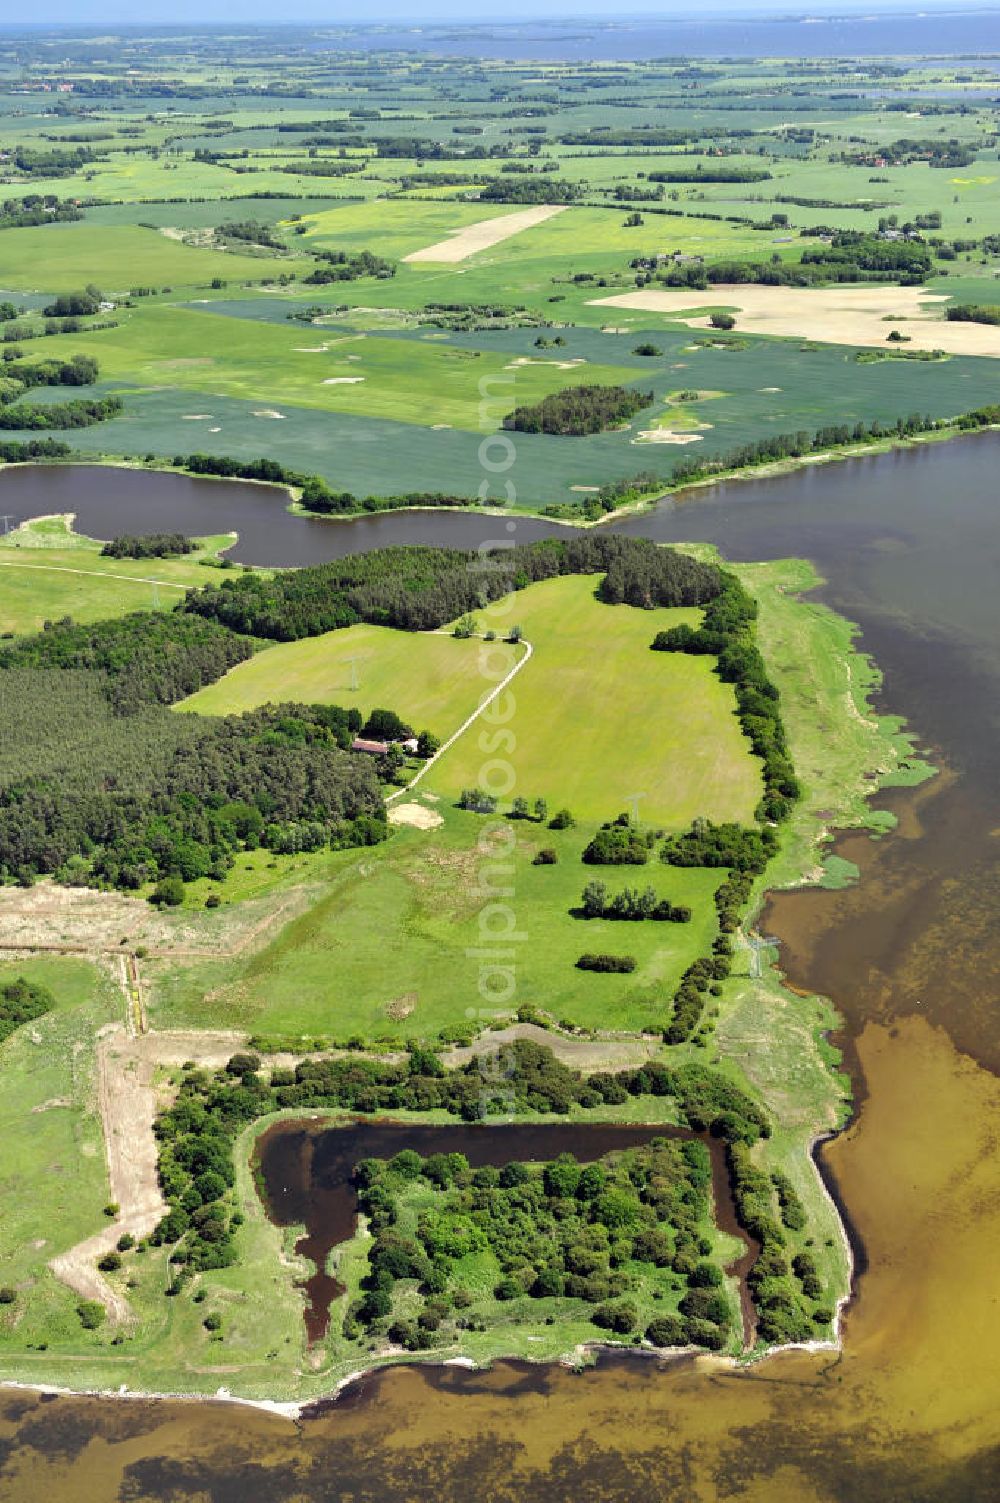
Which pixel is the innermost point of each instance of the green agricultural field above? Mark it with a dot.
(596, 720)
(395, 947)
(65, 257)
(49, 571)
(433, 681)
(395, 229)
(427, 383)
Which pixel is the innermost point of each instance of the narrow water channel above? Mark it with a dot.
(306, 1170)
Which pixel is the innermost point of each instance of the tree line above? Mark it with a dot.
(781, 446)
(631, 905)
(148, 545)
(728, 634)
(82, 413)
(417, 589)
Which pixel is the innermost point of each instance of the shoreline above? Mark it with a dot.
(767, 471)
(861, 688)
(297, 1409)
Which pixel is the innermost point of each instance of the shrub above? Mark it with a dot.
(722, 321)
(562, 820)
(8, 1294)
(667, 1330)
(477, 801)
(110, 1262)
(168, 892)
(92, 1314)
(212, 1321)
(620, 1318)
(614, 963)
(546, 857)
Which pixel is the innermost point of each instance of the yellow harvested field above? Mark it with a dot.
(830, 315)
(484, 234)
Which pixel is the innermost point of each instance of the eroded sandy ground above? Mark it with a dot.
(830, 315)
(80, 920)
(129, 1099)
(484, 234)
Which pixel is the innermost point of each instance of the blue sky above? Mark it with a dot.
(98, 12)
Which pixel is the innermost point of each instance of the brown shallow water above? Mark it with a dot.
(909, 1411)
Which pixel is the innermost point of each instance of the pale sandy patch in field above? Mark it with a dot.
(831, 315)
(416, 815)
(562, 365)
(342, 380)
(269, 412)
(665, 436)
(484, 234)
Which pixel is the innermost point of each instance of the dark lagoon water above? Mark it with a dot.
(910, 548)
(307, 1173)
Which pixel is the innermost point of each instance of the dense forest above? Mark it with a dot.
(149, 657)
(93, 797)
(418, 589)
(99, 782)
(577, 410)
(590, 1232)
(22, 1001)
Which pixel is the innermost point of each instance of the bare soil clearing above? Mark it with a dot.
(484, 234)
(831, 315)
(80, 920)
(415, 815)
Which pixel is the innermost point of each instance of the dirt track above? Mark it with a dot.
(127, 1100)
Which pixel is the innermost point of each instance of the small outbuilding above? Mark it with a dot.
(373, 748)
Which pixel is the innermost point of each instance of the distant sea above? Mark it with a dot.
(966, 34)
